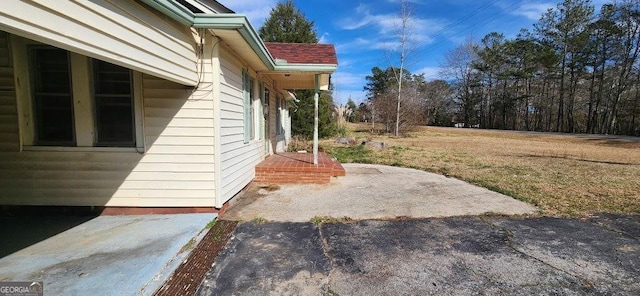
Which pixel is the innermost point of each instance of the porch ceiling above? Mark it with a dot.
(300, 80)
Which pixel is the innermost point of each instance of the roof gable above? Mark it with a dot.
(303, 53)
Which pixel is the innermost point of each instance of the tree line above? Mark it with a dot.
(576, 72)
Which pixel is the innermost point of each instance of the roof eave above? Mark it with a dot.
(317, 68)
(229, 21)
(226, 21)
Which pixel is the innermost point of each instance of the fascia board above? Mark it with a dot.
(318, 68)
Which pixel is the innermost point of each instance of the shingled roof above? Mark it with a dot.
(303, 53)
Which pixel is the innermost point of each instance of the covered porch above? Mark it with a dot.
(298, 168)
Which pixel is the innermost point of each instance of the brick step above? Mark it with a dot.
(338, 170)
(297, 168)
(282, 177)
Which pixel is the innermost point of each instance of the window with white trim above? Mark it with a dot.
(77, 101)
(52, 97)
(113, 101)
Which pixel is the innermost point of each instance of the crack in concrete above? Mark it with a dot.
(325, 250)
(509, 243)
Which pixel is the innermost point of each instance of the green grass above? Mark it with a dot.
(189, 245)
(259, 220)
(211, 224)
(317, 220)
(351, 154)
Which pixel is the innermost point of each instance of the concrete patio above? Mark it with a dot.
(374, 192)
(105, 255)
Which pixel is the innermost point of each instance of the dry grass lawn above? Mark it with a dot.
(564, 175)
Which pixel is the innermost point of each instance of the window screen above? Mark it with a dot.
(113, 97)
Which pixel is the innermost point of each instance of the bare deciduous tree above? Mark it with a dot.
(406, 45)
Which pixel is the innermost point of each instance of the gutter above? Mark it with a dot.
(230, 21)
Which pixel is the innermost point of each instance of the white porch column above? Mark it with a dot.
(315, 120)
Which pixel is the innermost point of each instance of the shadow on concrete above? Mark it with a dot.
(19, 232)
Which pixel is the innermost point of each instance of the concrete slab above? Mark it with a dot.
(375, 192)
(450, 256)
(107, 255)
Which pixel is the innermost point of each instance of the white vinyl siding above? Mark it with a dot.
(9, 133)
(237, 158)
(177, 169)
(121, 32)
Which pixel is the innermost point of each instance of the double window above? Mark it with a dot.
(110, 100)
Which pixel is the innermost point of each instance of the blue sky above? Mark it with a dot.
(364, 32)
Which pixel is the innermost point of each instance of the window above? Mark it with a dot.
(78, 101)
(52, 96)
(261, 110)
(247, 95)
(252, 125)
(113, 99)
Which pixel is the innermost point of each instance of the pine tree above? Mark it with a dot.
(287, 24)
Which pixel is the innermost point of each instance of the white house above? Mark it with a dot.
(149, 103)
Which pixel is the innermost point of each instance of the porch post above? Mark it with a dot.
(315, 120)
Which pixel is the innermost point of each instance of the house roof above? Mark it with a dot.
(303, 53)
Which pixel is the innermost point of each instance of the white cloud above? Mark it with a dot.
(358, 43)
(430, 73)
(420, 30)
(324, 38)
(533, 11)
(342, 97)
(256, 10)
(347, 84)
(347, 79)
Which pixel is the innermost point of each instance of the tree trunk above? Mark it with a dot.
(560, 122)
